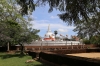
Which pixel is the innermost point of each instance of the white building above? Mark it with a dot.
(49, 36)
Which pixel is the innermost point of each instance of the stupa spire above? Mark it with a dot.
(49, 35)
(49, 28)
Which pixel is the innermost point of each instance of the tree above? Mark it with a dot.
(95, 40)
(90, 28)
(27, 6)
(55, 32)
(72, 10)
(14, 29)
(10, 21)
(27, 36)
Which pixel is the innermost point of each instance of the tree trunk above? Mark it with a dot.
(8, 46)
(22, 49)
(55, 36)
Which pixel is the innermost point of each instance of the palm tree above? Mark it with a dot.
(55, 32)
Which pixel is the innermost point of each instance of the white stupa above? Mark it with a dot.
(49, 36)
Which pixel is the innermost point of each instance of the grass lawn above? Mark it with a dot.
(17, 60)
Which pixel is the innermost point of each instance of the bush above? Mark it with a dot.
(86, 41)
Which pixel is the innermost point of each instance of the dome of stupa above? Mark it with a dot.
(49, 35)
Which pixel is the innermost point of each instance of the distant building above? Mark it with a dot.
(49, 36)
(75, 38)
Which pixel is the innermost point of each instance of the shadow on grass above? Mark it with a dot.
(5, 55)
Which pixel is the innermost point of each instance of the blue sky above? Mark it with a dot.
(41, 20)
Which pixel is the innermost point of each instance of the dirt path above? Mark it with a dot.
(87, 55)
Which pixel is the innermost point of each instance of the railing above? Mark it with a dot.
(53, 43)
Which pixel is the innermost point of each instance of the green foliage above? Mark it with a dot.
(55, 32)
(72, 10)
(90, 28)
(10, 29)
(95, 39)
(27, 36)
(27, 6)
(86, 41)
(92, 40)
(14, 28)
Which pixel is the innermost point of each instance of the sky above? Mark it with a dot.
(42, 18)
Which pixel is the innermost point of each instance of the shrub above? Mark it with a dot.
(86, 41)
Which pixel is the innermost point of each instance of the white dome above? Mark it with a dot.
(48, 34)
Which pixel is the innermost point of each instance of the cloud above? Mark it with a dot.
(44, 19)
(62, 30)
(43, 24)
(39, 24)
(61, 26)
(54, 17)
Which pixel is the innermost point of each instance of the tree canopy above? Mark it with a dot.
(84, 14)
(14, 28)
(90, 28)
(72, 10)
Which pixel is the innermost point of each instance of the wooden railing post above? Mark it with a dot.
(72, 45)
(41, 47)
